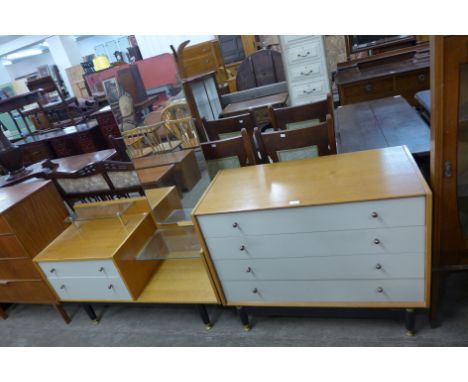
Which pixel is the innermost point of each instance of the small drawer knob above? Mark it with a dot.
(101, 269)
(379, 290)
(374, 215)
(235, 225)
(62, 286)
(254, 290)
(376, 241)
(52, 270)
(110, 286)
(248, 270)
(242, 248)
(378, 266)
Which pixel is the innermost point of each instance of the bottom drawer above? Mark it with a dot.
(407, 290)
(26, 291)
(90, 289)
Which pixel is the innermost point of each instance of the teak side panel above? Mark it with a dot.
(343, 178)
(38, 219)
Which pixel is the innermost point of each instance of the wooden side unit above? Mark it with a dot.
(32, 216)
(401, 72)
(274, 238)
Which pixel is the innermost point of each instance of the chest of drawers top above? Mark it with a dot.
(387, 173)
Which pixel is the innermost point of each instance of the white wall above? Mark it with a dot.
(87, 44)
(4, 75)
(153, 45)
(28, 65)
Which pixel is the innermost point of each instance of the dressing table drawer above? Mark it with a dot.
(329, 291)
(357, 267)
(301, 53)
(305, 72)
(92, 268)
(329, 243)
(90, 289)
(344, 216)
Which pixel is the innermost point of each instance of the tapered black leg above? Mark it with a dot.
(91, 313)
(244, 318)
(204, 316)
(409, 322)
(63, 313)
(3, 313)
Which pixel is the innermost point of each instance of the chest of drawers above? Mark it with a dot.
(306, 69)
(282, 238)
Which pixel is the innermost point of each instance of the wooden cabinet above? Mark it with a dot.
(32, 215)
(107, 125)
(306, 68)
(449, 160)
(275, 238)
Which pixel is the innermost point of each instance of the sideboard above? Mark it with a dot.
(349, 230)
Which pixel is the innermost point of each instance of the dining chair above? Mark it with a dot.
(296, 117)
(180, 123)
(307, 142)
(228, 153)
(229, 127)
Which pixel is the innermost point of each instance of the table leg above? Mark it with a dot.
(91, 313)
(3, 313)
(204, 316)
(244, 318)
(409, 322)
(59, 308)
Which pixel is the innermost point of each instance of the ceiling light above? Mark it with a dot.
(24, 54)
(6, 62)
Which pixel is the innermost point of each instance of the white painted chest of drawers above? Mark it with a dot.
(306, 70)
(280, 239)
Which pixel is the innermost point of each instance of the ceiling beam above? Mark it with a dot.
(20, 43)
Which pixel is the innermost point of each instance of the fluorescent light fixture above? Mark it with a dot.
(6, 62)
(45, 43)
(24, 54)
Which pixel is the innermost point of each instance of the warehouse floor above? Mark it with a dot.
(176, 325)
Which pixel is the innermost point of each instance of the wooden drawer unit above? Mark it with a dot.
(18, 269)
(4, 226)
(366, 90)
(26, 291)
(348, 216)
(86, 142)
(91, 289)
(312, 90)
(303, 52)
(346, 230)
(326, 292)
(10, 247)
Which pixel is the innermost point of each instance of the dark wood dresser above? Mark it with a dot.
(31, 216)
(107, 125)
(402, 72)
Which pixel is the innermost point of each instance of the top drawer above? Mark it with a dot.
(303, 52)
(91, 268)
(359, 215)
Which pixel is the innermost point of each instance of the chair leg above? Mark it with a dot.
(3, 313)
(59, 308)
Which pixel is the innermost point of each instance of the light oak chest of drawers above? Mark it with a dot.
(349, 230)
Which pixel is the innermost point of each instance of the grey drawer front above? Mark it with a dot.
(365, 291)
(323, 268)
(390, 213)
(88, 268)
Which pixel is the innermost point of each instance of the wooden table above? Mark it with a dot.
(186, 170)
(424, 101)
(155, 177)
(255, 104)
(68, 164)
(381, 123)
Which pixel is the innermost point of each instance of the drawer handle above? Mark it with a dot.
(421, 77)
(248, 270)
(242, 248)
(52, 270)
(235, 225)
(303, 55)
(378, 266)
(62, 286)
(307, 73)
(101, 269)
(376, 241)
(374, 215)
(110, 287)
(4, 282)
(310, 91)
(254, 290)
(379, 290)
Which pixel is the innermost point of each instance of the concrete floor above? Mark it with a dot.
(176, 325)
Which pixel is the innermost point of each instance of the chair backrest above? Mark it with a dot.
(229, 127)
(260, 68)
(295, 117)
(228, 153)
(307, 142)
(179, 122)
(47, 84)
(146, 140)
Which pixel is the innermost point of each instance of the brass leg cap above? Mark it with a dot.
(208, 326)
(247, 328)
(410, 333)
(95, 322)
